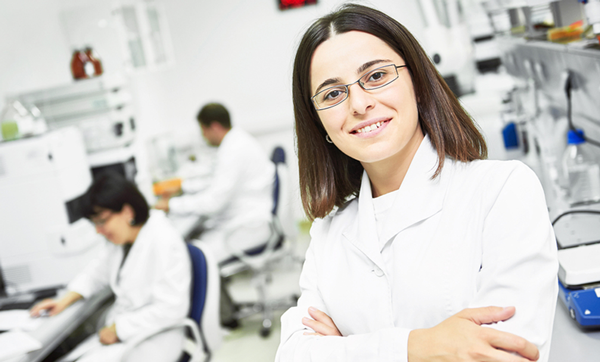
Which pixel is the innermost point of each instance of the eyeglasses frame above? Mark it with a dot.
(314, 102)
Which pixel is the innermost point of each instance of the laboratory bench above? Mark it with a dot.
(54, 330)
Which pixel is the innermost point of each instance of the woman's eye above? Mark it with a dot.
(333, 94)
(376, 77)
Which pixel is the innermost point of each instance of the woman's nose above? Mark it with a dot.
(360, 100)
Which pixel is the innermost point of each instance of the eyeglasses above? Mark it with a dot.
(99, 222)
(376, 78)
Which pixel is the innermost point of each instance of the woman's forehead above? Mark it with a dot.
(343, 56)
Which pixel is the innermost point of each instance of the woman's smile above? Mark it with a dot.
(370, 128)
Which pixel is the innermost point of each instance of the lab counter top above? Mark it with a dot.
(55, 329)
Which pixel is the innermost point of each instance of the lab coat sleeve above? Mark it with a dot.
(384, 345)
(519, 260)
(220, 191)
(170, 296)
(95, 277)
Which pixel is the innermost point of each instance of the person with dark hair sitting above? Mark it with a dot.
(147, 267)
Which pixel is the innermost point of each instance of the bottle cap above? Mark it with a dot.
(575, 137)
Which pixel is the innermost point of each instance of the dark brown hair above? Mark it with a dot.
(214, 112)
(327, 176)
(112, 191)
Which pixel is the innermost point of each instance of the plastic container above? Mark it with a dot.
(17, 121)
(581, 165)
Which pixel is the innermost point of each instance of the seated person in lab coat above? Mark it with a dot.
(240, 194)
(420, 250)
(146, 265)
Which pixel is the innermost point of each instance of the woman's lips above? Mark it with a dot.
(371, 130)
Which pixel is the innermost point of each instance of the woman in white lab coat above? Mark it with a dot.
(147, 267)
(420, 250)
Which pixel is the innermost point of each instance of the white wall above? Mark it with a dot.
(238, 52)
(33, 51)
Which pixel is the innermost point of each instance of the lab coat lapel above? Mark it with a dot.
(363, 232)
(419, 197)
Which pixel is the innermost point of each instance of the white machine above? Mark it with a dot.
(448, 44)
(43, 240)
(100, 107)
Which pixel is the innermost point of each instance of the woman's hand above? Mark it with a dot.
(162, 203)
(54, 306)
(321, 323)
(108, 335)
(461, 338)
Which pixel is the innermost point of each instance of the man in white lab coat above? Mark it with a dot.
(238, 201)
(239, 198)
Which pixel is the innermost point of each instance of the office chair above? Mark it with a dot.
(203, 326)
(260, 260)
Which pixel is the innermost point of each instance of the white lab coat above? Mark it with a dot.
(478, 235)
(239, 197)
(152, 288)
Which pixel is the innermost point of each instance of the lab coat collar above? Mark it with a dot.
(418, 198)
(145, 233)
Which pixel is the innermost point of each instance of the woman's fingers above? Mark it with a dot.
(510, 342)
(487, 315)
(322, 324)
(462, 338)
(46, 304)
(503, 356)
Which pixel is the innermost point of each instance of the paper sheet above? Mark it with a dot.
(15, 343)
(18, 319)
(92, 342)
(93, 351)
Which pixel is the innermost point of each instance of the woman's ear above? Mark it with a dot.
(128, 213)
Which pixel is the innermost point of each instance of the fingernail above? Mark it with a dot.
(312, 309)
(304, 320)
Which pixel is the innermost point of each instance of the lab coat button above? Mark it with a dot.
(378, 272)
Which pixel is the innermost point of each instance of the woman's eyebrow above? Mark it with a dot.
(368, 65)
(327, 82)
(360, 69)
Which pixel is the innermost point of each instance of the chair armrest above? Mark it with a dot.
(187, 322)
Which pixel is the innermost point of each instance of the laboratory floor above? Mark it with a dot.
(245, 343)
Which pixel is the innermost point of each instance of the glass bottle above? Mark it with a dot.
(93, 57)
(581, 164)
(81, 66)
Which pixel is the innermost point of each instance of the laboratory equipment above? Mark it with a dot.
(448, 44)
(44, 241)
(100, 107)
(559, 88)
(583, 304)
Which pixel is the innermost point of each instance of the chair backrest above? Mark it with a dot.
(282, 194)
(277, 157)
(204, 308)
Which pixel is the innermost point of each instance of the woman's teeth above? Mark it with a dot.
(370, 128)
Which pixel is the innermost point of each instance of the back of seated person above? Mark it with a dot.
(239, 195)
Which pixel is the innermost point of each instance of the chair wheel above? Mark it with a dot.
(265, 332)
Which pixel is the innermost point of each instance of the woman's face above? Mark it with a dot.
(114, 226)
(389, 113)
